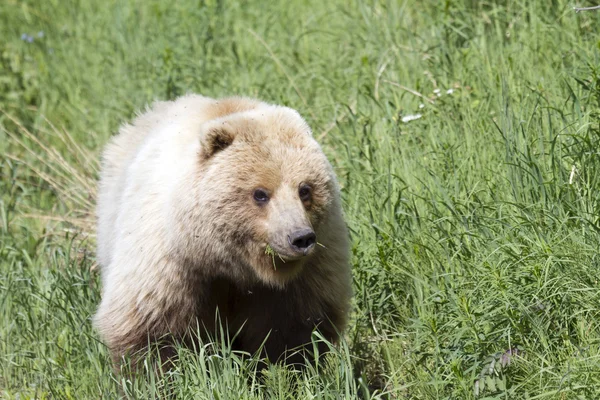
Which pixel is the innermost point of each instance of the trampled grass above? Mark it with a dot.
(475, 228)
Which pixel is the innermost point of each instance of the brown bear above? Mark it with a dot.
(227, 205)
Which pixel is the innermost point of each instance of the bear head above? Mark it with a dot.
(258, 198)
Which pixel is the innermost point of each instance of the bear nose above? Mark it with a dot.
(302, 240)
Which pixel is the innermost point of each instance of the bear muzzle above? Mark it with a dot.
(295, 245)
(302, 241)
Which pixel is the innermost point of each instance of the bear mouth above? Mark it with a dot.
(282, 255)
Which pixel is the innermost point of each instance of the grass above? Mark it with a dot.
(475, 228)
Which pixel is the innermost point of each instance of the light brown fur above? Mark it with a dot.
(180, 236)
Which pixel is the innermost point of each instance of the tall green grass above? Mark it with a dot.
(475, 228)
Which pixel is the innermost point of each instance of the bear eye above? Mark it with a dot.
(261, 196)
(305, 192)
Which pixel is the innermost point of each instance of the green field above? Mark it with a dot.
(475, 228)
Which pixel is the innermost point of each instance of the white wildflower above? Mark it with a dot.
(449, 91)
(408, 118)
(421, 105)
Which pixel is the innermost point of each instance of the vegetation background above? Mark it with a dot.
(466, 136)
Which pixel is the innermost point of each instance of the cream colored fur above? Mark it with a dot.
(179, 235)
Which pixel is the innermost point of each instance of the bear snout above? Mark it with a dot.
(302, 241)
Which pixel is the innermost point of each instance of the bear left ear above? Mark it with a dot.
(216, 139)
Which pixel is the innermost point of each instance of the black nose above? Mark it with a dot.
(302, 240)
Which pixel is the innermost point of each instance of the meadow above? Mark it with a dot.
(466, 138)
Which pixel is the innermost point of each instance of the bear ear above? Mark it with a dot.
(216, 139)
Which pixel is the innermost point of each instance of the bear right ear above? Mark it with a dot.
(216, 139)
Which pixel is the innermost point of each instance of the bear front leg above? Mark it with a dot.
(285, 332)
(131, 321)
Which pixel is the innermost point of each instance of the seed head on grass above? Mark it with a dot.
(71, 178)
